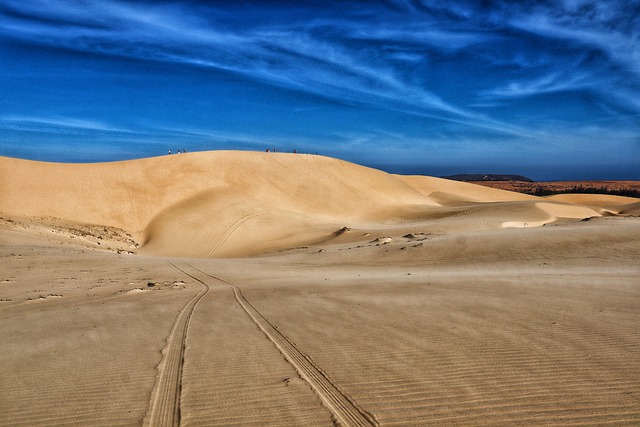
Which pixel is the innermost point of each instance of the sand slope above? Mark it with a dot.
(441, 304)
(224, 203)
(444, 189)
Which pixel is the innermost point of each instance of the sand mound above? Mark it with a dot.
(566, 210)
(447, 191)
(598, 200)
(224, 203)
(208, 204)
(628, 209)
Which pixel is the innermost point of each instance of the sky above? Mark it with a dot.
(549, 90)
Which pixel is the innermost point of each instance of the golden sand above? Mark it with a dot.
(238, 288)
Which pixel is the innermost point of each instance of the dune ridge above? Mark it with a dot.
(232, 203)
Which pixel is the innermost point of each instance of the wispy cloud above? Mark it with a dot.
(57, 124)
(609, 26)
(544, 47)
(394, 73)
(418, 35)
(289, 56)
(554, 82)
(73, 125)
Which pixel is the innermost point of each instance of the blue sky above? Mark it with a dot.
(550, 90)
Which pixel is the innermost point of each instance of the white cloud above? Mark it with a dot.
(422, 35)
(42, 123)
(329, 64)
(600, 29)
(290, 57)
(554, 82)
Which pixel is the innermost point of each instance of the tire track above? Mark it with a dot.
(164, 407)
(228, 232)
(345, 410)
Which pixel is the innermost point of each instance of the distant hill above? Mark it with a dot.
(487, 177)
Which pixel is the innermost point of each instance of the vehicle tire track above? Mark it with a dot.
(164, 407)
(346, 411)
(229, 231)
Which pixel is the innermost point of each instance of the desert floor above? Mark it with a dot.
(447, 318)
(533, 326)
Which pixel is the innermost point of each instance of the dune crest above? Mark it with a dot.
(227, 203)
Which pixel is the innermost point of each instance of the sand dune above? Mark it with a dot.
(461, 191)
(377, 299)
(628, 209)
(222, 204)
(208, 204)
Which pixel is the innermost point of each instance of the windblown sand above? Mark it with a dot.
(237, 288)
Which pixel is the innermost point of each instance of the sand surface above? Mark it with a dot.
(236, 288)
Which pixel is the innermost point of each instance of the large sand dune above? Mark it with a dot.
(221, 204)
(376, 299)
